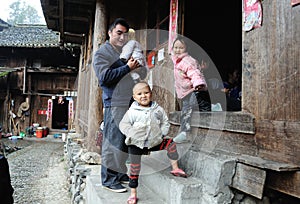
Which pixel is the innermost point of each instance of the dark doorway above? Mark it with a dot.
(216, 26)
(60, 113)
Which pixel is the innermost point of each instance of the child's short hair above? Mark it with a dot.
(139, 85)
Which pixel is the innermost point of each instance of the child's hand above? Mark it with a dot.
(200, 87)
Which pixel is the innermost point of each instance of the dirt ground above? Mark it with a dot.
(38, 171)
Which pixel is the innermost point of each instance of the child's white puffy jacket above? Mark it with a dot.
(144, 126)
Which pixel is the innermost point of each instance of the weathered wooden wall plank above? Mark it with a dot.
(267, 164)
(271, 64)
(271, 80)
(249, 179)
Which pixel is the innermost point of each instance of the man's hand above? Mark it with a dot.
(133, 64)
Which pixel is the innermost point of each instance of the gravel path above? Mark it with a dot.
(38, 172)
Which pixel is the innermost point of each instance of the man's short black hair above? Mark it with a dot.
(120, 21)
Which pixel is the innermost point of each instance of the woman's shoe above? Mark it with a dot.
(132, 200)
(179, 173)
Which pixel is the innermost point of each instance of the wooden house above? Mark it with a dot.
(264, 135)
(35, 73)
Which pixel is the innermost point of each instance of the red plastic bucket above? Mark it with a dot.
(39, 133)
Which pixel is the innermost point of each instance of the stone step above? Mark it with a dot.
(174, 190)
(202, 164)
(209, 180)
(96, 194)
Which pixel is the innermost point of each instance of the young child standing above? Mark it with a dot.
(145, 124)
(189, 85)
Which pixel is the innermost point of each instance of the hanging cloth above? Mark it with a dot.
(173, 23)
(252, 15)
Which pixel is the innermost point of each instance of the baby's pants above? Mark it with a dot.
(135, 154)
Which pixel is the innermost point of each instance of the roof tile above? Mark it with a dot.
(33, 36)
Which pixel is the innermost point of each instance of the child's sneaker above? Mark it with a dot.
(180, 138)
(179, 173)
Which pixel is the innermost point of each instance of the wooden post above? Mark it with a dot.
(95, 104)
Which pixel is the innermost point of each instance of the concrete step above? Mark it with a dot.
(95, 194)
(209, 180)
(173, 190)
(202, 164)
(156, 185)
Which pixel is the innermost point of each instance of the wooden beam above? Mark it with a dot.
(72, 18)
(53, 71)
(285, 182)
(61, 18)
(249, 180)
(267, 164)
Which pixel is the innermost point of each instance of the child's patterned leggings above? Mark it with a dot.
(135, 154)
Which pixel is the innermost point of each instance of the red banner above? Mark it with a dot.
(49, 112)
(71, 109)
(42, 112)
(173, 23)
